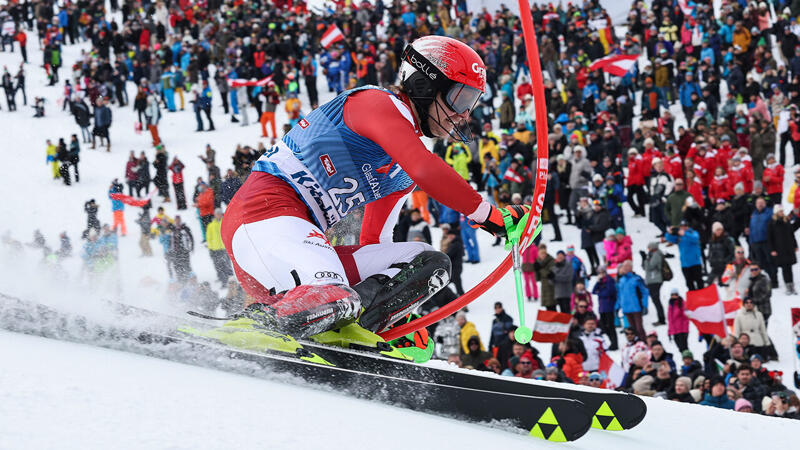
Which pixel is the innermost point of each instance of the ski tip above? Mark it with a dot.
(607, 416)
(562, 423)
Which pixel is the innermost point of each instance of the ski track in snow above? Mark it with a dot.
(63, 395)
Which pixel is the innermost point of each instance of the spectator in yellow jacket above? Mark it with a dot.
(217, 249)
(459, 156)
(487, 144)
(52, 151)
(467, 331)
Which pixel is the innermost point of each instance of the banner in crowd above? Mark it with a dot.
(252, 82)
(331, 36)
(617, 65)
(613, 374)
(708, 312)
(551, 326)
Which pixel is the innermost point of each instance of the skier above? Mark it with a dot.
(361, 148)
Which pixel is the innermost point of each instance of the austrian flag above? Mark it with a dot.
(332, 35)
(617, 65)
(551, 326)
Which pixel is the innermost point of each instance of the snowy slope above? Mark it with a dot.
(63, 395)
(54, 393)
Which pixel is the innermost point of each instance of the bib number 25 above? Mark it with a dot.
(342, 198)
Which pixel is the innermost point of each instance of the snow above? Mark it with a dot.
(61, 395)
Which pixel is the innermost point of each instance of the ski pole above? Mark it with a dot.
(523, 333)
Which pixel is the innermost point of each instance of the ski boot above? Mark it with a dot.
(417, 345)
(307, 310)
(387, 300)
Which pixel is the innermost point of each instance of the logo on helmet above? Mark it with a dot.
(481, 71)
(422, 66)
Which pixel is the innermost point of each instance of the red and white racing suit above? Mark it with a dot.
(276, 241)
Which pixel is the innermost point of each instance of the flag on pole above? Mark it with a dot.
(332, 35)
(613, 373)
(551, 326)
(238, 82)
(617, 65)
(128, 200)
(706, 311)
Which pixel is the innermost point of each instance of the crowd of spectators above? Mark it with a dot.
(693, 138)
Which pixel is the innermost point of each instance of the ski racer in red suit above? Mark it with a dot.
(361, 148)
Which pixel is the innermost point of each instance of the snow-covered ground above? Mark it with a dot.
(60, 395)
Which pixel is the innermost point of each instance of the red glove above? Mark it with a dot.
(495, 223)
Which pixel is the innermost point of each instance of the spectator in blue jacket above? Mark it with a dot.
(102, 122)
(615, 197)
(606, 291)
(685, 94)
(633, 294)
(688, 241)
(759, 238)
(203, 103)
(718, 397)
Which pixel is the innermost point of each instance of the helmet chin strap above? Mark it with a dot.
(421, 92)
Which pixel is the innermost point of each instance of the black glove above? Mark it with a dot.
(643, 254)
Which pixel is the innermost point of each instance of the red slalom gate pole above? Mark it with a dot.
(540, 183)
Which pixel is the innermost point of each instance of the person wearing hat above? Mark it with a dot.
(688, 241)
(772, 178)
(750, 320)
(721, 246)
(691, 368)
(680, 391)
(635, 181)
(660, 187)
(475, 357)
(675, 202)
(718, 396)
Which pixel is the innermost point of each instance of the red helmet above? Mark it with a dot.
(441, 65)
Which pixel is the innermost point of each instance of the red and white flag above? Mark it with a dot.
(512, 176)
(551, 326)
(613, 373)
(617, 65)
(252, 82)
(332, 35)
(706, 311)
(685, 8)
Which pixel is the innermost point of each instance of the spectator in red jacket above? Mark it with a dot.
(720, 187)
(635, 181)
(205, 205)
(772, 177)
(650, 152)
(694, 186)
(740, 173)
(673, 163)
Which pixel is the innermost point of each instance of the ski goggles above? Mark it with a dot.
(462, 98)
